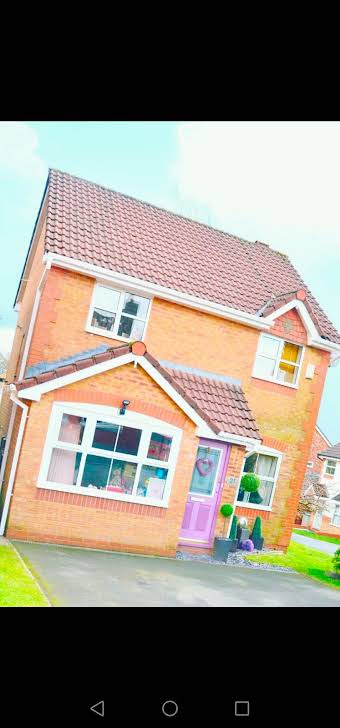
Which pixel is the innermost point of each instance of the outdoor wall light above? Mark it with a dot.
(125, 404)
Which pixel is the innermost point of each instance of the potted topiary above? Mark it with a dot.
(223, 545)
(256, 534)
(233, 534)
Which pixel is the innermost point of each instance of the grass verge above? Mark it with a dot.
(17, 586)
(306, 561)
(311, 534)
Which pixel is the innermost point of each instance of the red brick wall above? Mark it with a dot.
(318, 445)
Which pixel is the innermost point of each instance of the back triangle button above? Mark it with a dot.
(98, 708)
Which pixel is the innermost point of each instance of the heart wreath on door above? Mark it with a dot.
(204, 466)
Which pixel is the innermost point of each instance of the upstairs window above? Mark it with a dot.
(118, 314)
(330, 467)
(277, 360)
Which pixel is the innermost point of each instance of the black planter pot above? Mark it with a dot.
(234, 545)
(258, 542)
(222, 548)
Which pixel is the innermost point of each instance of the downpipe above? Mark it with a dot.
(21, 430)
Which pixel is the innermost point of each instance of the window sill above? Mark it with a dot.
(274, 381)
(94, 493)
(109, 334)
(253, 506)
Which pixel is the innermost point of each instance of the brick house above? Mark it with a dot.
(322, 486)
(155, 360)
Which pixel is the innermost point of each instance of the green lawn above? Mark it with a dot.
(17, 587)
(311, 534)
(304, 560)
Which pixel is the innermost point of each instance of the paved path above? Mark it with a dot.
(86, 578)
(315, 543)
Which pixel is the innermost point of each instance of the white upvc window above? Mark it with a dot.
(118, 314)
(278, 360)
(95, 451)
(330, 467)
(336, 517)
(267, 467)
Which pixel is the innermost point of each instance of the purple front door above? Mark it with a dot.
(204, 494)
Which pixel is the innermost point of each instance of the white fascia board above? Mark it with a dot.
(239, 440)
(34, 393)
(152, 289)
(313, 337)
(174, 395)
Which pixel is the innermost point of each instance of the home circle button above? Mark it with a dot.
(170, 708)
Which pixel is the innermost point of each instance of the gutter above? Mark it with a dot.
(18, 444)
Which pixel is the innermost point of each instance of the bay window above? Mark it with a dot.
(267, 468)
(117, 314)
(92, 451)
(277, 360)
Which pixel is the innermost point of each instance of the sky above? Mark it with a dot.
(278, 182)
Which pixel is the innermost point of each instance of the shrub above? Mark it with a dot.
(257, 527)
(336, 561)
(226, 510)
(250, 482)
(247, 545)
(233, 530)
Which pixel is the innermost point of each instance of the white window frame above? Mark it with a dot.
(118, 314)
(333, 467)
(258, 506)
(109, 414)
(336, 516)
(278, 361)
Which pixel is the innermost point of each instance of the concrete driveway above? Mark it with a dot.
(316, 543)
(79, 577)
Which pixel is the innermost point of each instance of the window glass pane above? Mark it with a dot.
(96, 472)
(152, 482)
(291, 352)
(122, 476)
(64, 466)
(106, 299)
(204, 474)
(266, 465)
(135, 305)
(105, 435)
(72, 429)
(265, 491)
(250, 464)
(103, 319)
(130, 328)
(287, 373)
(264, 367)
(269, 346)
(128, 440)
(159, 448)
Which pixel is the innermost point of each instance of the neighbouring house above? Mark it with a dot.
(155, 360)
(319, 507)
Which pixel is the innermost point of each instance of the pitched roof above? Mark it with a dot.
(220, 403)
(311, 483)
(3, 365)
(96, 225)
(331, 452)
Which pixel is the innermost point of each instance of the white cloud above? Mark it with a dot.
(273, 181)
(19, 150)
(6, 340)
